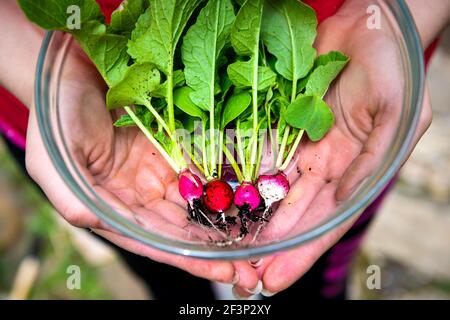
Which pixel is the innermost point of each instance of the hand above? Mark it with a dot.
(367, 111)
(124, 168)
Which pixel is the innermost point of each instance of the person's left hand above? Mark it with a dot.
(123, 167)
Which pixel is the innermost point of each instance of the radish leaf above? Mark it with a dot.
(242, 75)
(202, 47)
(312, 114)
(327, 69)
(182, 100)
(123, 20)
(52, 14)
(234, 107)
(288, 31)
(167, 21)
(135, 88)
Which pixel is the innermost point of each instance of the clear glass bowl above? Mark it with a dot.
(48, 91)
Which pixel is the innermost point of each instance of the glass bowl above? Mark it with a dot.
(51, 64)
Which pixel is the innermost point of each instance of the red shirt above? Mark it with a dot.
(14, 115)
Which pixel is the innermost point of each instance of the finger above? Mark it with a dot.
(220, 271)
(425, 120)
(370, 158)
(375, 150)
(249, 282)
(292, 208)
(287, 267)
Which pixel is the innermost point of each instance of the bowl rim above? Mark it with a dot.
(126, 227)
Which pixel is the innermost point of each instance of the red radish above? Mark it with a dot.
(273, 188)
(247, 195)
(218, 196)
(190, 186)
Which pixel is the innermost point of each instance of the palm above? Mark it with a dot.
(124, 169)
(366, 102)
(121, 163)
(365, 110)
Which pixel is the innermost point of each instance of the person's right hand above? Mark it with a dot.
(124, 168)
(367, 103)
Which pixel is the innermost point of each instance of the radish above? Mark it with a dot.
(218, 196)
(190, 186)
(247, 197)
(272, 188)
(247, 200)
(191, 189)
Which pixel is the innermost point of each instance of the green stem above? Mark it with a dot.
(158, 118)
(258, 164)
(212, 140)
(234, 164)
(170, 106)
(221, 137)
(292, 151)
(204, 153)
(294, 90)
(196, 163)
(192, 155)
(254, 145)
(282, 147)
(155, 143)
(240, 148)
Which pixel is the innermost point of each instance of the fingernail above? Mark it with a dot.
(257, 289)
(267, 293)
(235, 278)
(256, 263)
(238, 296)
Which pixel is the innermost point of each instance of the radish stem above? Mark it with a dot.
(260, 149)
(240, 148)
(221, 134)
(283, 147)
(234, 164)
(160, 120)
(155, 143)
(292, 151)
(204, 153)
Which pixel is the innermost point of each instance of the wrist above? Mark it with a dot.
(431, 17)
(20, 42)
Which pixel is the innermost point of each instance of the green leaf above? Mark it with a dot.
(234, 107)
(124, 19)
(142, 24)
(247, 28)
(241, 74)
(288, 31)
(312, 114)
(202, 46)
(141, 112)
(124, 121)
(56, 14)
(327, 69)
(178, 81)
(107, 51)
(157, 45)
(139, 81)
(181, 98)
